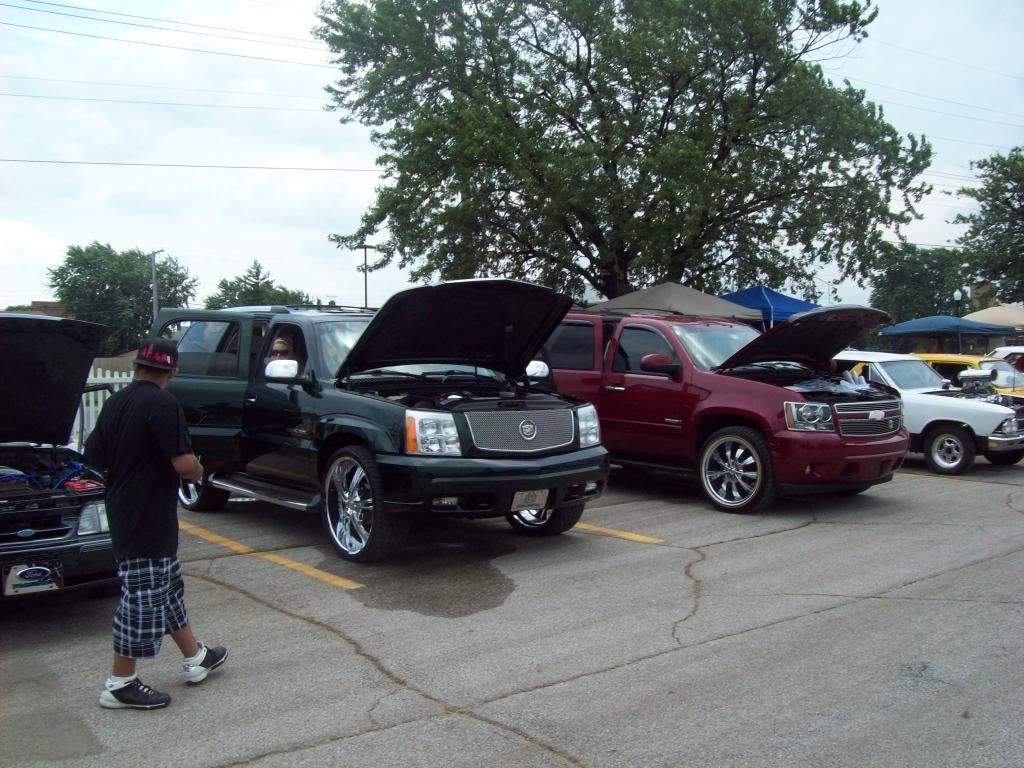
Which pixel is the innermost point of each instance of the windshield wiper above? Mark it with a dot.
(390, 372)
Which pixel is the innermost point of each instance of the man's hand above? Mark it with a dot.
(188, 467)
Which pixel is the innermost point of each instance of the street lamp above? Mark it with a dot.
(366, 272)
(958, 297)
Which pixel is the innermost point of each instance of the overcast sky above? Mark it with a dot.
(948, 69)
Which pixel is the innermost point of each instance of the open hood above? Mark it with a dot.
(810, 338)
(46, 364)
(491, 323)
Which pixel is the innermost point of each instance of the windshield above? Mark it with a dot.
(1006, 375)
(912, 374)
(711, 345)
(336, 339)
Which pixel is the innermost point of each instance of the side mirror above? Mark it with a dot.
(538, 369)
(946, 383)
(282, 369)
(656, 362)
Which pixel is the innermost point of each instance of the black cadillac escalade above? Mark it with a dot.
(368, 417)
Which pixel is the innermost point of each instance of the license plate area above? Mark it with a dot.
(530, 499)
(36, 577)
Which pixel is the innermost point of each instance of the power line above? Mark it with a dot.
(953, 114)
(157, 87)
(153, 26)
(949, 61)
(934, 98)
(188, 165)
(164, 45)
(964, 141)
(167, 21)
(159, 103)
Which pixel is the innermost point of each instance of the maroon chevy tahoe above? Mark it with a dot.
(751, 414)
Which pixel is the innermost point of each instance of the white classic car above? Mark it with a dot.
(949, 426)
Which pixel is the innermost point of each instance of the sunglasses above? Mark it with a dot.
(280, 352)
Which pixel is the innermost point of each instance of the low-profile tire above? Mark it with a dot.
(353, 508)
(949, 450)
(1004, 459)
(545, 522)
(200, 496)
(736, 471)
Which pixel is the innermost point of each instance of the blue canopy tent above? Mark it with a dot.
(944, 325)
(774, 307)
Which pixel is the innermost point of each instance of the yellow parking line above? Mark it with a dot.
(617, 534)
(235, 546)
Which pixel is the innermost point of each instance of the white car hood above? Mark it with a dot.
(923, 407)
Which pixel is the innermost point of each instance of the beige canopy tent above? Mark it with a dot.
(675, 297)
(1000, 314)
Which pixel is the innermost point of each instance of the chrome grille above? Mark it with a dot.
(854, 418)
(509, 431)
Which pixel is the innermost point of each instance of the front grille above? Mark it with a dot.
(14, 530)
(510, 431)
(855, 418)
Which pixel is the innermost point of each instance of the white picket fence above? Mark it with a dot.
(92, 402)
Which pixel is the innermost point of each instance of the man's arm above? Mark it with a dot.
(188, 467)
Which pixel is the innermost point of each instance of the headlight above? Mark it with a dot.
(431, 433)
(93, 518)
(590, 427)
(1009, 426)
(809, 417)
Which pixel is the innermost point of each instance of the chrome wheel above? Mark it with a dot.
(947, 451)
(349, 505)
(731, 471)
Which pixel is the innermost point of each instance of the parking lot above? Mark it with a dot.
(875, 630)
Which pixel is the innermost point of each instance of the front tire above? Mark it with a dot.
(200, 496)
(1004, 459)
(736, 470)
(353, 513)
(949, 450)
(545, 522)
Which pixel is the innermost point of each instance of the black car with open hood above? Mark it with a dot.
(53, 525)
(364, 417)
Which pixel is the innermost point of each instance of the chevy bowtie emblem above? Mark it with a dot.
(876, 415)
(527, 429)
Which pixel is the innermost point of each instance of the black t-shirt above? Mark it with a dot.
(140, 429)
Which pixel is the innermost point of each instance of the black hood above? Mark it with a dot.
(46, 364)
(810, 338)
(491, 323)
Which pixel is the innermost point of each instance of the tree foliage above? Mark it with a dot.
(254, 288)
(994, 240)
(115, 288)
(919, 282)
(613, 144)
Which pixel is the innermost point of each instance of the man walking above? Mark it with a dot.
(142, 444)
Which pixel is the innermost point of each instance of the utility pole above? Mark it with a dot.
(366, 273)
(152, 265)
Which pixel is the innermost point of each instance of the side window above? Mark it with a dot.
(634, 343)
(871, 374)
(285, 342)
(949, 370)
(571, 346)
(205, 347)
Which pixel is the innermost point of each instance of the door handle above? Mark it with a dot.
(673, 421)
(250, 398)
(610, 388)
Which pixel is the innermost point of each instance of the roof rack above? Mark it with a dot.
(329, 308)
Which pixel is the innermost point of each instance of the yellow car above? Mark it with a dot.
(1008, 381)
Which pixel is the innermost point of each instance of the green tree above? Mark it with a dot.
(613, 144)
(995, 234)
(918, 282)
(115, 288)
(253, 289)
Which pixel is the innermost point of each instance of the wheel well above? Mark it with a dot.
(334, 442)
(945, 425)
(711, 424)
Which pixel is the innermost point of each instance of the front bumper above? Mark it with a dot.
(87, 561)
(827, 461)
(485, 487)
(1000, 443)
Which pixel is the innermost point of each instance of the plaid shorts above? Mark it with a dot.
(152, 605)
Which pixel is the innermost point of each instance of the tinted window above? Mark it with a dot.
(634, 343)
(205, 348)
(571, 346)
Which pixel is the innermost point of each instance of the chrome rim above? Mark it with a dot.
(532, 518)
(349, 505)
(188, 491)
(731, 471)
(947, 451)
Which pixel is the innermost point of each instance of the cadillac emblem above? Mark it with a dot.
(527, 429)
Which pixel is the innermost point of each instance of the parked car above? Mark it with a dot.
(749, 414)
(1007, 381)
(53, 522)
(949, 426)
(1013, 355)
(424, 407)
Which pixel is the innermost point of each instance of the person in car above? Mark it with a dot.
(142, 444)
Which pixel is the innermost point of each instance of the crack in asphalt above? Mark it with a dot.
(1010, 499)
(383, 669)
